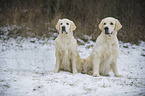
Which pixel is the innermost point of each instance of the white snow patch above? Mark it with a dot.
(26, 69)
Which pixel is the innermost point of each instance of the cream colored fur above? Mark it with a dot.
(105, 51)
(67, 56)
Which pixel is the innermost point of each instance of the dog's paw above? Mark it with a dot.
(55, 71)
(118, 75)
(90, 72)
(96, 74)
(105, 74)
(75, 72)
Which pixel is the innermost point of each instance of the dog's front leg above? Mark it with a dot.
(57, 63)
(74, 58)
(96, 64)
(114, 68)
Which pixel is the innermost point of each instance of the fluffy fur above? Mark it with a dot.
(105, 51)
(67, 56)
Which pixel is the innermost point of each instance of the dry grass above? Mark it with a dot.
(39, 17)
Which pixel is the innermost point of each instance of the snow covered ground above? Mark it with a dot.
(26, 69)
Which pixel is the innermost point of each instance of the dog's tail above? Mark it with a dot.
(84, 65)
(80, 62)
(87, 66)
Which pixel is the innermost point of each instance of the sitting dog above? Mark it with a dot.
(67, 56)
(105, 51)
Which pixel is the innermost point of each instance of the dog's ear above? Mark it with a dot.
(58, 25)
(101, 25)
(72, 26)
(117, 25)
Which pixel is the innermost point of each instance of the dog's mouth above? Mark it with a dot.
(106, 29)
(107, 32)
(64, 31)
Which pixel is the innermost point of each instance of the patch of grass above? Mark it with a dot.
(36, 88)
(129, 78)
(32, 41)
(131, 84)
(89, 46)
(79, 43)
(2, 80)
(141, 94)
(7, 86)
(143, 54)
(39, 86)
(125, 46)
(71, 84)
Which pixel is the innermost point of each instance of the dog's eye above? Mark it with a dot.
(104, 23)
(60, 23)
(111, 23)
(67, 23)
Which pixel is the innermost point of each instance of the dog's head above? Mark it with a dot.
(110, 26)
(65, 26)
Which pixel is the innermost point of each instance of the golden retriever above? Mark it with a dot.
(105, 51)
(67, 56)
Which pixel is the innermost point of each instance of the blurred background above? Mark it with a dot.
(37, 18)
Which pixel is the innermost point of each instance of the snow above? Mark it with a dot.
(26, 69)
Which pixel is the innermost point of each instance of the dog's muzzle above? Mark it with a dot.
(106, 30)
(63, 29)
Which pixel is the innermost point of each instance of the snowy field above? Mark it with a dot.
(26, 69)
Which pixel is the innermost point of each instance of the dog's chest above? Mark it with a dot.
(67, 45)
(108, 49)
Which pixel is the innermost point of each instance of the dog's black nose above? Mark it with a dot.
(106, 28)
(63, 28)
